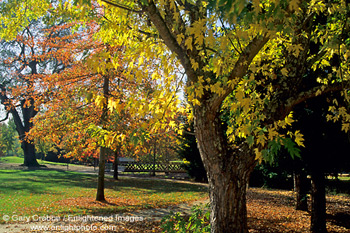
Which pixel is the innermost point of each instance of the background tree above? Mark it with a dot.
(188, 150)
(8, 137)
(25, 61)
(325, 153)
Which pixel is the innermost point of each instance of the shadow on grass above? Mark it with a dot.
(156, 186)
(39, 181)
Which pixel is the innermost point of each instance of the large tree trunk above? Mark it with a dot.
(228, 171)
(29, 154)
(300, 187)
(318, 202)
(23, 127)
(228, 197)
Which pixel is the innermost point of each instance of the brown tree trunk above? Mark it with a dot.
(228, 171)
(100, 195)
(23, 126)
(29, 154)
(300, 187)
(115, 174)
(318, 202)
(228, 198)
(154, 159)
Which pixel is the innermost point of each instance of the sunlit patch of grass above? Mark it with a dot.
(50, 192)
(20, 160)
(11, 159)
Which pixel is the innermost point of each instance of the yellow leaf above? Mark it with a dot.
(345, 127)
(299, 138)
(188, 43)
(258, 155)
(179, 38)
(99, 101)
(289, 119)
(284, 72)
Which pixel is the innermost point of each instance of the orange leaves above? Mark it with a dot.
(273, 211)
(91, 203)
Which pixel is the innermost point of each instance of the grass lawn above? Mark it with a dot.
(20, 160)
(51, 192)
(11, 159)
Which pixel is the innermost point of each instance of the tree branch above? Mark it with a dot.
(165, 33)
(121, 6)
(318, 56)
(242, 64)
(314, 92)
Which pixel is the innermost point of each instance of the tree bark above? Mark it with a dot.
(23, 126)
(300, 187)
(228, 198)
(154, 159)
(115, 174)
(228, 170)
(29, 154)
(318, 202)
(100, 195)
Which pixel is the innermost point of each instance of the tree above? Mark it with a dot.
(324, 152)
(85, 101)
(66, 117)
(256, 52)
(20, 63)
(248, 57)
(8, 137)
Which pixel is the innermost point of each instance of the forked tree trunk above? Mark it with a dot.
(318, 202)
(228, 171)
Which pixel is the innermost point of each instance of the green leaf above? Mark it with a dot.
(250, 140)
(291, 147)
(144, 2)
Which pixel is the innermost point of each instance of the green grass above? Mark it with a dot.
(58, 193)
(346, 178)
(11, 159)
(20, 160)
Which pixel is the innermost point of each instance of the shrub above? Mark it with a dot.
(197, 222)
